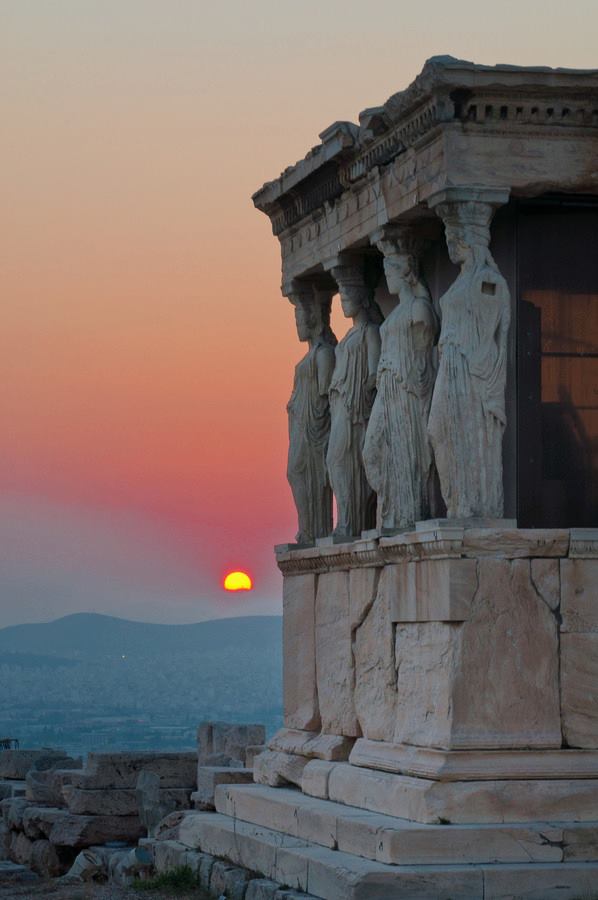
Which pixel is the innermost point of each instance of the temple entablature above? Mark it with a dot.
(527, 130)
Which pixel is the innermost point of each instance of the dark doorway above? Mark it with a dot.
(557, 364)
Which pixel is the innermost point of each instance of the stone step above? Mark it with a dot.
(335, 875)
(464, 803)
(387, 839)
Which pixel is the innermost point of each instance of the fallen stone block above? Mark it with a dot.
(120, 801)
(223, 739)
(154, 803)
(16, 763)
(11, 872)
(38, 821)
(45, 859)
(45, 786)
(209, 777)
(88, 865)
(121, 770)
(21, 848)
(12, 812)
(84, 831)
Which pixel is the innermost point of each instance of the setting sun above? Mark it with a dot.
(237, 581)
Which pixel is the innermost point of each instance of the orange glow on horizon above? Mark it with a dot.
(238, 581)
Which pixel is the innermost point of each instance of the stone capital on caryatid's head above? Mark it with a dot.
(470, 207)
(347, 270)
(398, 240)
(297, 291)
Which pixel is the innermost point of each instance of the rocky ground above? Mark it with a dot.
(55, 890)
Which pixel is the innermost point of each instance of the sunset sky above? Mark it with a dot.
(147, 353)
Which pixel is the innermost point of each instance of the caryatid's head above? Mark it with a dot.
(352, 288)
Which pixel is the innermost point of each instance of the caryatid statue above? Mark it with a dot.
(352, 392)
(309, 414)
(397, 452)
(467, 416)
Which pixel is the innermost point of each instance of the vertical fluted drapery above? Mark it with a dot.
(467, 416)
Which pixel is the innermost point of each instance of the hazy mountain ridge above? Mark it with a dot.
(93, 635)
(88, 681)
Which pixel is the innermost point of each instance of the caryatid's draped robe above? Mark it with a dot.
(467, 416)
(351, 398)
(397, 452)
(309, 431)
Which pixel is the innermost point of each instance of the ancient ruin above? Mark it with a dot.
(440, 654)
(440, 731)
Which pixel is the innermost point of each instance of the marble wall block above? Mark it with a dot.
(363, 584)
(579, 595)
(440, 590)
(375, 669)
(579, 693)
(299, 653)
(546, 579)
(491, 682)
(427, 659)
(334, 656)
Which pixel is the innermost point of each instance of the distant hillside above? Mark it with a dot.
(93, 636)
(97, 682)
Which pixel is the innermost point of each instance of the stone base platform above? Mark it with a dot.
(474, 765)
(453, 802)
(335, 852)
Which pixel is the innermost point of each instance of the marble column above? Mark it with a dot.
(352, 392)
(397, 452)
(467, 415)
(309, 412)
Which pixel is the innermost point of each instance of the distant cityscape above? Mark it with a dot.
(141, 700)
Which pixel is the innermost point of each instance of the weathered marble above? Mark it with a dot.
(309, 414)
(464, 802)
(474, 765)
(301, 709)
(84, 831)
(467, 415)
(545, 574)
(226, 740)
(276, 769)
(120, 770)
(351, 395)
(363, 585)
(208, 779)
(375, 669)
(334, 656)
(397, 453)
(314, 781)
(16, 763)
(579, 696)
(579, 595)
(491, 682)
(311, 744)
(440, 590)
